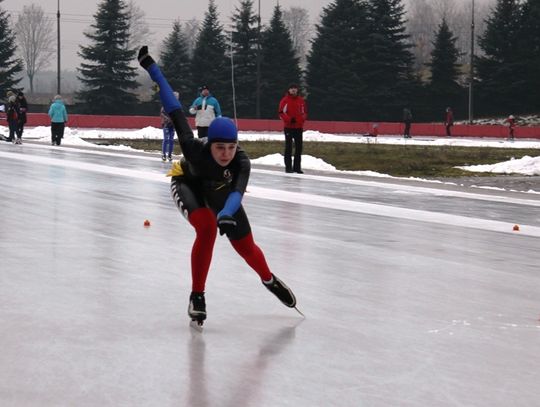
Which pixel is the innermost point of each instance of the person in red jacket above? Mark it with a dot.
(293, 112)
(449, 121)
(511, 123)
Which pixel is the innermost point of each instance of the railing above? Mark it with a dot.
(417, 129)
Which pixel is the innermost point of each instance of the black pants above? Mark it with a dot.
(12, 129)
(407, 129)
(57, 133)
(20, 129)
(202, 132)
(448, 133)
(295, 135)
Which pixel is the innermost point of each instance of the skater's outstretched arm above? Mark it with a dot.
(169, 101)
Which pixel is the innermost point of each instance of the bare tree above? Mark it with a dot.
(296, 20)
(36, 38)
(421, 25)
(139, 31)
(424, 17)
(461, 26)
(191, 30)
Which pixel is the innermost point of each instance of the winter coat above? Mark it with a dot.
(23, 108)
(205, 109)
(12, 113)
(407, 115)
(449, 120)
(58, 112)
(511, 122)
(292, 111)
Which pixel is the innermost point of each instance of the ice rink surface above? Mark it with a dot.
(415, 294)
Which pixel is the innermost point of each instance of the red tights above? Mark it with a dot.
(204, 222)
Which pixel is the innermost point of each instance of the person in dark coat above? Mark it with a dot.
(12, 117)
(23, 109)
(407, 120)
(449, 121)
(293, 113)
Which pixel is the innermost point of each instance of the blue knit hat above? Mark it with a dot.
(222, 129)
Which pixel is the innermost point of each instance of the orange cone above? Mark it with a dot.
(516, 228)
(146, 223)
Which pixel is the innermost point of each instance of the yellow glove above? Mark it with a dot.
(176, 170)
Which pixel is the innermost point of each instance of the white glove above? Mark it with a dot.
(192, 110)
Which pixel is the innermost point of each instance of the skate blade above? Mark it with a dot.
(300, 312)
(196, 325)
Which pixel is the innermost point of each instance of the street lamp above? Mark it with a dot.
(471, 67)
(58, 50)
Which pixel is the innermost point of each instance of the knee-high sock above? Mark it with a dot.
(253, 256)
(204, 222)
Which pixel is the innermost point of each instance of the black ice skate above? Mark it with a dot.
(280, 290)
(197, 308)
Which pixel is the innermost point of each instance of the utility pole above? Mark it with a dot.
(258, 85)
(471, 66)
(58, 49)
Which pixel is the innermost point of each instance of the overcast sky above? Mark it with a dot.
(77, 15)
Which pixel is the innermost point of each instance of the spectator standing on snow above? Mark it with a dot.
(407, 120)
(59, 117)
(293, 113)
(205, 108)
(168, 133)
(511, 123)
(12, 117)
(449, 121)
(23, 108)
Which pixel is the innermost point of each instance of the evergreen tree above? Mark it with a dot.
(210, 65)
(498, 70)
(107, 75)
(175, 63)
(11, 66)
(527, 57)
(279, 65)
(244, 42)
(443, 83)
(390, 66)
(336, 77)
(444, 56)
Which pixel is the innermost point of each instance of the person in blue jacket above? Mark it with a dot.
(205, 108)
(167, 146)
(207, 186)
(59, 118)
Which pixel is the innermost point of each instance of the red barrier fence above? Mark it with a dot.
(417, 129)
